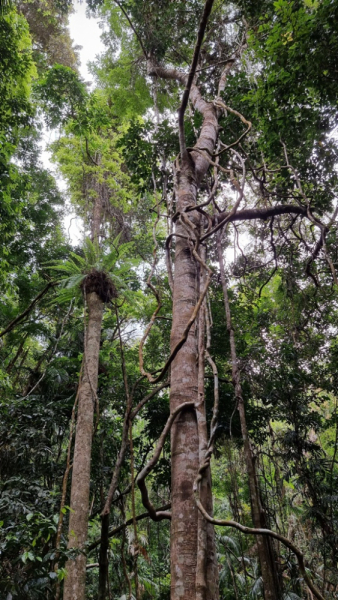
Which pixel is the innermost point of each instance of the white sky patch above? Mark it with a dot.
(73, 225)
(86, 34)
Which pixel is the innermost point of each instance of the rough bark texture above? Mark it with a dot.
(202, 543)
(264, 544)
(206, 568)
(74, 587)
(184, 435)
(184, 374)
(184, 369)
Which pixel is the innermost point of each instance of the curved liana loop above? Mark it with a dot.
(154, 515)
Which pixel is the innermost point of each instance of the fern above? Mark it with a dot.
(77, 267)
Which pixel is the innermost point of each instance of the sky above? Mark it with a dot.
(86, 33)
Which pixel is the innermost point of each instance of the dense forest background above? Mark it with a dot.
(189, 342)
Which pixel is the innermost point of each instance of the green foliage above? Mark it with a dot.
(110, 147)
(48, 26)
(113, 263)
(146, 150)
(61, 94)
(16, 73)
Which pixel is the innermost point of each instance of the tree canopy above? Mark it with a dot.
(168, 385)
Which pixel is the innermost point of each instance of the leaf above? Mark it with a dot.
(257, 587)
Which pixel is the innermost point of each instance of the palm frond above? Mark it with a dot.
(91, 252)
(77, 267)
(80, 259)
(230, 541)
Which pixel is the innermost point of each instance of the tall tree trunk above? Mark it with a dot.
(264, 544)
(74, 587)
(184, 379)
(184, 386)
(184, 368)
(206, 568)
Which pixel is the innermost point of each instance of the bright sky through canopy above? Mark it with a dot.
(86, 33)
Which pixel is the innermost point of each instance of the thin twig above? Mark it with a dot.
(119, 528)
(133, 28)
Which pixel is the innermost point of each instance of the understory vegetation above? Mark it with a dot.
(169, 384)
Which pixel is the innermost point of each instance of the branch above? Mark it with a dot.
(133, 28)
(27, 310)
(221, 104)
(209, 129)
(153, 513)
(156, 294)
(113, 532)
(148, 397)
(268, 532)
(128, 417)
(89, 155)
(185, 333)
(29, 392)
(204, 20)
(249, 214)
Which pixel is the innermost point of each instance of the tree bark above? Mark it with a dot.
(74, 587)
(184, 372)
(184, 435)
(264, 544)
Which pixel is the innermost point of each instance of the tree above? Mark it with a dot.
(158, 47)
(93, 181)
(248, 167)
